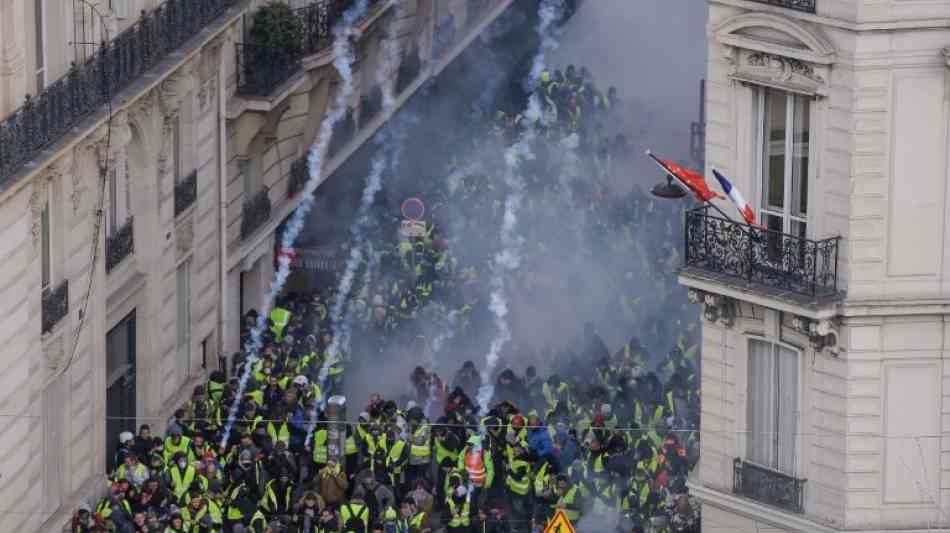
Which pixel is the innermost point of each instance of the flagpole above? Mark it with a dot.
(683, 185)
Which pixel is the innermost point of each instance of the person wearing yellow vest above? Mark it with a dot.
(278, 495)
(414, 518)
(458, 517)
(198, 515)
(420, 450)
(180, 475)
(259, 523)
(354, 516)
(280, 317)
(518, 482)
(175, 443)
(396, 460)
(568, 499)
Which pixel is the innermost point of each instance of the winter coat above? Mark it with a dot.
(539, 442)
(568, 452)
(333, 485)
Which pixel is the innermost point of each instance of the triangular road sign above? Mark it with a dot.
(559, 524)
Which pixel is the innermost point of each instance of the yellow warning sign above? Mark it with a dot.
(559, 524)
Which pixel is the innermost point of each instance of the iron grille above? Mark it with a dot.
(807, 6)
(768, 486)
(758, 255)
(55, 305)
(47, 117)
(120, 245)
(186, 192)
(255, 213)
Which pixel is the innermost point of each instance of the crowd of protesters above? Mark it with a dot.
(604, 434)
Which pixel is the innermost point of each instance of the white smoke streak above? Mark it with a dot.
(508, 258)
(343, 62)
(389, 156)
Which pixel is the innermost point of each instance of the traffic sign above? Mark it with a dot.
(559, 524)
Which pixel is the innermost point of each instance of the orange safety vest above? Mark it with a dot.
(475, 466)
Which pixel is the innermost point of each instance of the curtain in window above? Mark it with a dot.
(761, 421)
(787, 397)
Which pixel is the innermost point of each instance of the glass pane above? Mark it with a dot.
(47, 246)
(800, 140)
(773, 155)
(787, 394)
(798, 228)
(761, 400)
(40, 33)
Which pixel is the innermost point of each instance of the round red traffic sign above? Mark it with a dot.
(413, 209)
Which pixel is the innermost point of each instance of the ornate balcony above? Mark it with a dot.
(299, 174)
(47, 117)
(119, 245)
(409, 69)
(768, 486)
(371, 105)
(186, 192)
(55, 305)
(343, 132)
(255, 213)
(764, 258)
(261, 70)
(808, 6)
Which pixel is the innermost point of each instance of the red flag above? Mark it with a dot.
(690, 179)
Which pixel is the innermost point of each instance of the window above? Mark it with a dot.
(40, 34)
(47, 248)
(176, 148)
(773, 406)
(184, 320)
(120, 384)
(783, 148)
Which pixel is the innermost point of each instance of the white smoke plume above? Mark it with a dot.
(343, 62)
(508, 258)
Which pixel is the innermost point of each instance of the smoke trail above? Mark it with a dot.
(508, 258)
(341, 323)
(343, 62)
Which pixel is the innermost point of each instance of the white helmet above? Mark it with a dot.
(125, 436)
(301, 380)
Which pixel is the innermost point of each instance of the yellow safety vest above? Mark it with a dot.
(350, 510)
(181, 484)
(461, 519)
(420, 443)
(522, 485)
(280, 317)
(320, 447)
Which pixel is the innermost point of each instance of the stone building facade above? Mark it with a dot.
(825, 380)
(139, 184)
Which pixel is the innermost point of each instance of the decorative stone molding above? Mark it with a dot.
(79, 188)
(822, 334)
(206, 94)
(716, 308)
(796, 59)
(782, 69)
(38, 195)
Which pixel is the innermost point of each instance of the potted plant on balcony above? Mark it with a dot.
(277, 30)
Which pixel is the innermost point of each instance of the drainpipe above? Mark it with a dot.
(222, 207)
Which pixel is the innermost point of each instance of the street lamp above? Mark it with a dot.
(668, 190)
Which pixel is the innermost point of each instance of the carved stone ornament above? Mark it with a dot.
(206, 94)
(38, 195)
(782, 69)
(822, 334)
(79, 188)
(716, 308)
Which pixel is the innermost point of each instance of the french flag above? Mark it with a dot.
(744, 208)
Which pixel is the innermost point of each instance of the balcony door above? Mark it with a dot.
(773, 406)
(783, 144)
(120, 383)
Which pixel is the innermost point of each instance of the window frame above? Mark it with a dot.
(799, 452)
(759, 139)
(41, 30)
(183, 333)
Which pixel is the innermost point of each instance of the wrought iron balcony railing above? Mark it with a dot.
(119, 245)
(55, 305)
(255, 213)
(768, 486)
(808, 6)
(371, 105)
(299, 174)
(46, 118)
(260, 69)
(186, 192)
(343, 132)
(409, 69)
(757, 255)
